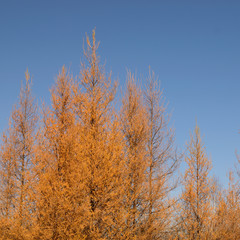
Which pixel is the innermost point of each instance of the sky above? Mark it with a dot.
(192, 46)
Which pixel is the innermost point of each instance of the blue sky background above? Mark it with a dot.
(193, 47)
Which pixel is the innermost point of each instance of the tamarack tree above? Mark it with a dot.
(17, 154)
(196, 196)
(162, 162)
(99, 148)
(55, 161)
(134, 127)
(227, 212)
(87, 168)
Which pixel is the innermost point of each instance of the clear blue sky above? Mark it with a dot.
(193, 46)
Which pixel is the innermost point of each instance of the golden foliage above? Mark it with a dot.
(88, 171)
(196, 196)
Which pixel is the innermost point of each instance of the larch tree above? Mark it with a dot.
(233, 208)
(56, 166)
(17, 164)
(196, 196)
(7, 184)
(99, 147)
(226, 217)
(134, 127)
(86, 171)
(161, 163)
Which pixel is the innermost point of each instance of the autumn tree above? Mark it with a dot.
(232, 223)
(86, 170)
(226, 217)
(55, 166)
(161, 162)
(17, 155)
(99, 147)
(134, 127)
(196, 196)
(8, 184)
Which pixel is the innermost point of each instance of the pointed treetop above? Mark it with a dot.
(197, 130)
(27, 75)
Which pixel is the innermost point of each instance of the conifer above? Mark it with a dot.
(196, 196)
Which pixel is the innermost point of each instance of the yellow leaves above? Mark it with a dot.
(90, 172)
(196, 202)
(17, 163)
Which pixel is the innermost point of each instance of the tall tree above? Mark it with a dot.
(17, 162)
(161, 162)
(134, 127)
(55, 164)
(99, 148)
(7, 184)
(196, 195)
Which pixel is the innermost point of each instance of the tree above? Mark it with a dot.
(134, 127)
(8, 184)
(161, 163)
(227, 225)
(196, 202)
(87, 171)
(55, 165)
(99, 148)
(17, 163)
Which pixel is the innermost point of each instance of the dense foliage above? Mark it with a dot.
(80, 169)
